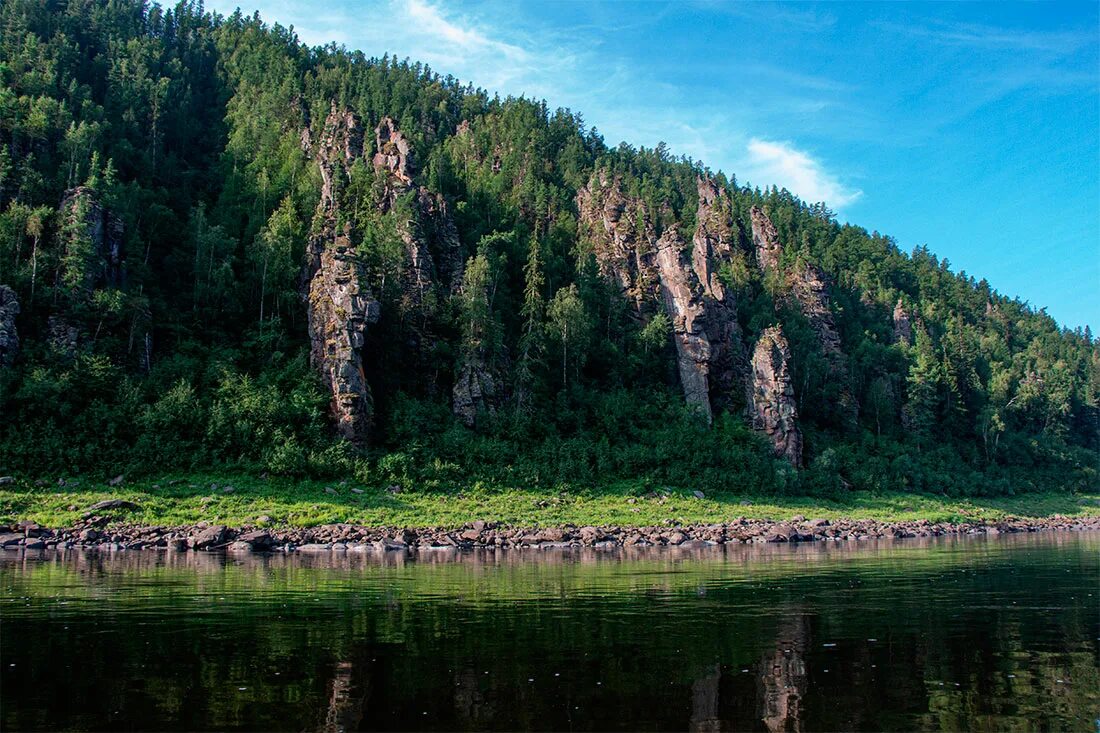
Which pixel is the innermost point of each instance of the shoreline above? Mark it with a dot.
(99, 533)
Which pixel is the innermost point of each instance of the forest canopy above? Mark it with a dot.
(221, 247)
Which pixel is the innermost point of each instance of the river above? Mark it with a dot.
(986, 633)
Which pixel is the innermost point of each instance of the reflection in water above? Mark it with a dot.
(990, 633)
(704, 702)
(345, 707)
(783, 677)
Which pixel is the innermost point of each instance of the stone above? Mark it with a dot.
(314, 547)
(773, 409)
(765, 239)
(238, 547)
(89, 535)
(477, 389)
(208, 538)
(116, 481)
(330, 490)
(698, 494)
(11, 539)
(258, 539)
(357, 491)
(111, 504)
(9, 335)
(7, 480)
(780, 533)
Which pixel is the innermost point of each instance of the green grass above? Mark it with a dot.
(180, 500)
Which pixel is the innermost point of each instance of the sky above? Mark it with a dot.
(971, 128)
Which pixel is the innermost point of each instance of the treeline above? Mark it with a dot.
(156, 201)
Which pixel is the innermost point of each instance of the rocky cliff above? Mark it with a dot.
(773, 409)
(9, 336)
(340, 305)
(903, 324)
(714, 244)
(765, 240)
(432, 246)
(683, 302)
(809, 287)
(623, 239)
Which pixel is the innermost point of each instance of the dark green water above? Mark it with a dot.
(988, 634)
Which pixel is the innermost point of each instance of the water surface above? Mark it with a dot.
(957, 633)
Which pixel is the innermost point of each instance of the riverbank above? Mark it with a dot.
(245, 513)
(99, 532)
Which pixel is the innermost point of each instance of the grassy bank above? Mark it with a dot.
(245, 500)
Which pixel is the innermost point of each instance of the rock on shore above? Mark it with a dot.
(96, 532)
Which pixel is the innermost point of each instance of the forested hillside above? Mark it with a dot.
(220, 247)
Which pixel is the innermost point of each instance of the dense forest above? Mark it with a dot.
(221, 247)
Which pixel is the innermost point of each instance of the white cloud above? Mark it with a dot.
(782, 164)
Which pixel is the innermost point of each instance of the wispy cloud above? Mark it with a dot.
(976, 35)
(780, 163)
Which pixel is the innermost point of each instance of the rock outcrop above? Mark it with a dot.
(340, 303)
(623, 238)
(63, 337)
(9, 336)
(477, 388)
(809, 287)
(101, 230)
(714, 243)
(903, 324)
(683, 302)
(773, 409)
(765, 240)
(432, 247)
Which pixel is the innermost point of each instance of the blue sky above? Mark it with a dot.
(972, 128)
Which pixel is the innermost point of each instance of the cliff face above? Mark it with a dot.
(683, 302)
(340, 304)
(432, 246)
(765, 240)
(773, 408)
(9, 336)
(623, 238)
(710, 351)
(809, 286)
(714, 243)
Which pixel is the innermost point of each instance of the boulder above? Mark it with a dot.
(208, 538)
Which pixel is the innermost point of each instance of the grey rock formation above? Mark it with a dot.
(765, 240)
(773, 409)
(63, 337)
(432, 246)
(623, 238)
(683, 302)
(903, 324)
(340, 303)
(714, 243)
(477, 388)
(9, 336)
(809, 286)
